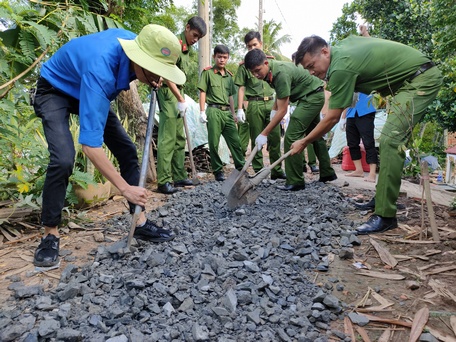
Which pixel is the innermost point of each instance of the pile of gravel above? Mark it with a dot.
(240, 275)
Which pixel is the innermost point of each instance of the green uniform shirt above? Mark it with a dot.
(253, 86)
(290, 80)
(362, 64)
(218, 87)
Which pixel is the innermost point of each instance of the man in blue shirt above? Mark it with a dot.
(82, 78)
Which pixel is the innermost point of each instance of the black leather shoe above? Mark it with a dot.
(377, 224)
(167, 188)
(328, 178)
(150, 232)
(366, 206)
(219, 176)
(371, 205)
(291, 187)
(279, 176)
(184, 182)
(314, 169)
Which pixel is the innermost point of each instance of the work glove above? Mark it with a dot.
(203, 117)
(240, 115)
(260, 141)
(273, 113)
(181, 107)
(343, 124)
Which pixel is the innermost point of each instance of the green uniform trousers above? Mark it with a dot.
(311, 157)
(221, 123)
(257, 115)
(244, 136)
(304, 119)
(407, 108)
(171, 140)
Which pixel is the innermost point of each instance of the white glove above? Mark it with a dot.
(343, 124)
(273, 113)
(181, 107)
(203, 117)
(260, 141)
(240, 115)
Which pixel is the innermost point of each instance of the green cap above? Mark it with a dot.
(156, 49)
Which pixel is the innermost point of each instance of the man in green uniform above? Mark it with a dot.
(217, 89)
(294, 84)
(171, 138)
(260, 97)
(362, 64)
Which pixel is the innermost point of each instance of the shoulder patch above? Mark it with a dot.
(208, 68)
(270, 57)
(229, 72)
(241, 62)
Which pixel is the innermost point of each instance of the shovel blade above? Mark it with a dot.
(229, 182)
(242, 192)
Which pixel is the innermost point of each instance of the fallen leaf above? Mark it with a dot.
(419, 321)
(384, 254)
(380, 275)
(385, 336)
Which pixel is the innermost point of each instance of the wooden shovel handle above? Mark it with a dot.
(249, 159)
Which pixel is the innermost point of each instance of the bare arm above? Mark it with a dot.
(241, 93)
(281, 105)
(175, 90)
(133, 194)
(325, 125)
(202, 101)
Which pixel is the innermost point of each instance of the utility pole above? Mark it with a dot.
(260, 19)
(204, 54)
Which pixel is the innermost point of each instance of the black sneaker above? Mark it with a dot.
(150, 232)
(47, 253)
(314, 169)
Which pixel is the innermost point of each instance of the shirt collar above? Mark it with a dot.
(185, 48)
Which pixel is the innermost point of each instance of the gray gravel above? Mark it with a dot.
(240, 275)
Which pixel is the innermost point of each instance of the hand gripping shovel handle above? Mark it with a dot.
(145, 161)
(195, 179)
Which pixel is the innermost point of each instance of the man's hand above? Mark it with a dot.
(272, 114)
(240, 116)
(260, 141)
(181, 107)
(136, 195)
(203, 117)
(298, 146)
(343, 124)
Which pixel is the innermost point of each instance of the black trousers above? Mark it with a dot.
(362, 128)
(54, 108)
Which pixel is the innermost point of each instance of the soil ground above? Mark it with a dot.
(430, 265)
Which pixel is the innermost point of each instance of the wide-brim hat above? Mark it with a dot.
(156, 49)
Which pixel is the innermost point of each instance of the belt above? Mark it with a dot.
(260, 98)
(319, 89)
(221, 107)
(423, 68)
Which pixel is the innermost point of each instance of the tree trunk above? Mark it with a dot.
(134, 120)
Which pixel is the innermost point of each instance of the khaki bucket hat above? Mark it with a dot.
(156, 49)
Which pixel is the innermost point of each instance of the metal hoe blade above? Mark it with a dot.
(235, 174)
(242, 192)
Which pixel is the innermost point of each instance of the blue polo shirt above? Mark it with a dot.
(363, 107)
(93, 69)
